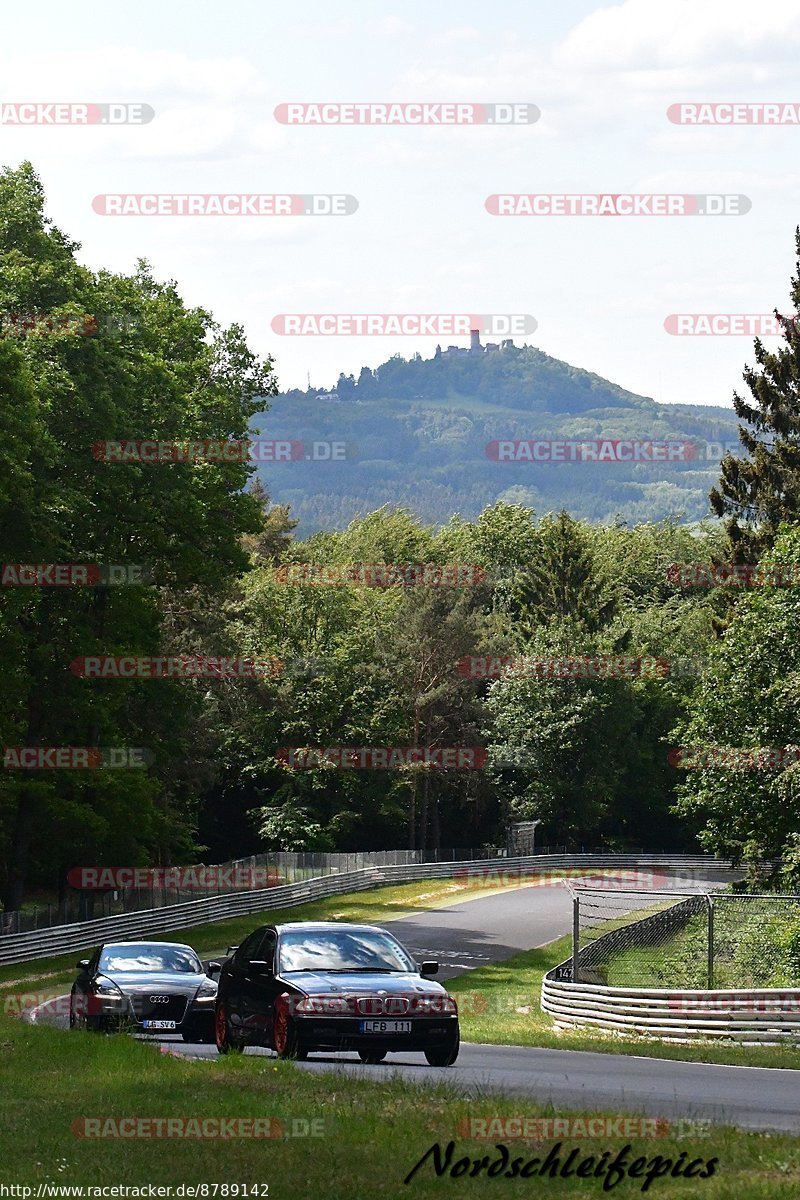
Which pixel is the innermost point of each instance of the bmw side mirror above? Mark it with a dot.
(82, 964)
(428, 969)
(212, 967)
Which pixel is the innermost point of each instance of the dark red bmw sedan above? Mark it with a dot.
(307, 986)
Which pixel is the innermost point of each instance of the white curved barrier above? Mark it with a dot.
(758, 1015)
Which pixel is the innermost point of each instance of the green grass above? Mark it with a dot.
(748, 939)
(373, 1132)
(500, 1004)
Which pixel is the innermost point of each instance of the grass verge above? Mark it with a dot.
(372, 1132)
(500, 1004)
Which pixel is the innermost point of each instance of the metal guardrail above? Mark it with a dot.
(65, 939)
(757, 1015)
(760, 1015)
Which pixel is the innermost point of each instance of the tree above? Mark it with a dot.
(748, 702)
(561, 580)
(273, 539)
(758, 493)
(166, 372)
(346, 386)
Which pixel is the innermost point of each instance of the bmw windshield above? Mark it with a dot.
(342, 950)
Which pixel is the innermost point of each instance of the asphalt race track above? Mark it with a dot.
(472, 933)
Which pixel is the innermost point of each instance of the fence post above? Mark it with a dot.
(576, 935)
(710, 941)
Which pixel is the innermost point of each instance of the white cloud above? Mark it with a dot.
(392, 26)
(641, 33)
(460, 33)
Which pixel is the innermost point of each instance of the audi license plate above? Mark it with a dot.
(159, 1024)
(384, 1027)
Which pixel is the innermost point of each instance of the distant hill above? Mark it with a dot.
(417, 431)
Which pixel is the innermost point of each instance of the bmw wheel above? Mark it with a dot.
(284, 1036)
(226, 1042)
(446, 1055)
(372, 1056)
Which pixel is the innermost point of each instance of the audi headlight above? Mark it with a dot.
(107, 989)
(206, 993)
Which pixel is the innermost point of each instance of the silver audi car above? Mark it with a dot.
(145, 987)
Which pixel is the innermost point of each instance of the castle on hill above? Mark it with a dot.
(474, 347)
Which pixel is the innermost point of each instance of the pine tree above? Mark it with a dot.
(561, 582)
(757, 493)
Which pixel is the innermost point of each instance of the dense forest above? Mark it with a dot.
(419, 432)
(581, 662)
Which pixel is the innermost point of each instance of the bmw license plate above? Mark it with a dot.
(159, 1024)
(384, 1027)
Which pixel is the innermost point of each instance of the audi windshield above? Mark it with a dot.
(150, 959)
(342, 951)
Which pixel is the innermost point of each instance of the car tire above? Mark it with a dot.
(284, 1037)
(372, 1056)
(444, 1056)
(225, 1040)
(77, 1020)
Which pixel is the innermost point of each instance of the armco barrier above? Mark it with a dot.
(760, 1015)
(65, 939)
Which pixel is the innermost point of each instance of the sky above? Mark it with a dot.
(421, 241)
